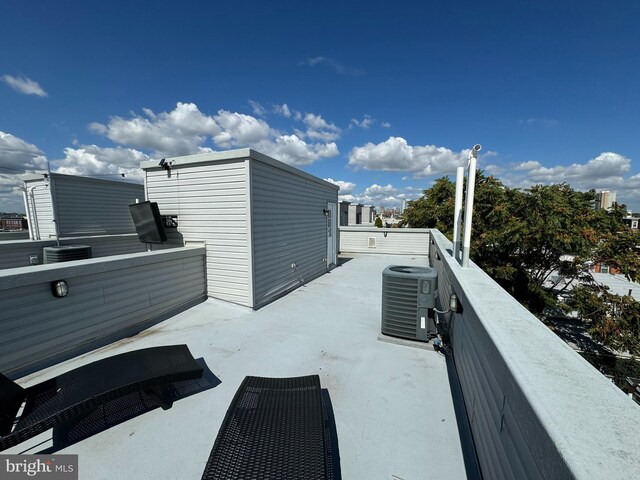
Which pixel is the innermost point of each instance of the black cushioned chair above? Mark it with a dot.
(77, 393)
(273, 429)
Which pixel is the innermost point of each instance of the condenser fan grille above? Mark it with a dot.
(400, 307)
(408, 293)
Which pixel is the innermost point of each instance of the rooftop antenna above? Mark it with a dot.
(468, 204)
(54, 207)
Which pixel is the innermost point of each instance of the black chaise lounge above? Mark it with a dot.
(273, 429)
(77, 393)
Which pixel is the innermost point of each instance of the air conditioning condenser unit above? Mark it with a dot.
(408, 300)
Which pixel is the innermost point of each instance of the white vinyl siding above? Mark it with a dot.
(210, 202)
(43, 209)
(288, 227)
(399, 241)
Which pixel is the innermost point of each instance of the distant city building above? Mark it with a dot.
(10, 222)
(343, 214)
(605, 200)
(404, 205)
(631, 221)
(355, 214)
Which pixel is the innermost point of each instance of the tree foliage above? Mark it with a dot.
(525, 238)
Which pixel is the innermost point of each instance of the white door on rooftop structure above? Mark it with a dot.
(332, 235)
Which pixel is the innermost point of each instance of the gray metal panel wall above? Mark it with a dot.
(355, 214)
(536, 409)
(89, 206)
(16, 254)
(288, 227)
(343, 213)
(400, 241)
(210, 201)
(107, 299)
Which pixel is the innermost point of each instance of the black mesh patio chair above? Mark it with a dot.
(273, 429)
(75, 394)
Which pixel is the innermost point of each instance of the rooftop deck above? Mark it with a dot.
(394, 406)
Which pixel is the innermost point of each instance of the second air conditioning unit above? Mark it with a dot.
(408, 300)
(66, 253)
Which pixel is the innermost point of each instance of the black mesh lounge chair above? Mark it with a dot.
(273, 429)
(74, 394)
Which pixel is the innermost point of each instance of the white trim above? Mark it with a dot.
(249, 200)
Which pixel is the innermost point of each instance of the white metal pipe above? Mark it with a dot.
(54, 206)
(25, 197)
(468, 204)
(36, 225)
(457, 214)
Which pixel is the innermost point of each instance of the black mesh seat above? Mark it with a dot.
(77, 393)
(273, 429)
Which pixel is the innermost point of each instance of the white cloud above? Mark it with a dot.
(606, 166)
(385, 125)
(293, 150)
(345, 187)
(179, 132)
(284, 110)
(186, 130)
(396, 155)
(91, 160)
(387, 195)
(16, 158)
(238, 129)
(24, 85)
(607, 171)
(365, 123)
(337, 67)
(379, 190)
(257, 108)
(319, 129)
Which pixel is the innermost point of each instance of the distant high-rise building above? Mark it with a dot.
(605, 200)
(404, 205)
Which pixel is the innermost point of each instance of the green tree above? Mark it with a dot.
(523, 237)
(378, 222)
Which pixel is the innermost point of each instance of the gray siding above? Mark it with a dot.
(210, 200)
(399, 241)
(355, 214)
(343, 212)
(108, 299)
(367, 214)
(83, 206)
(288, 227)
(15, 254)
(13, 236)
(537, 410)
(89, 206)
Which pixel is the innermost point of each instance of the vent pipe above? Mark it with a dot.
(457, 214)
(468, 206)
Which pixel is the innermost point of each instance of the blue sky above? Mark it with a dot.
(381, 97)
